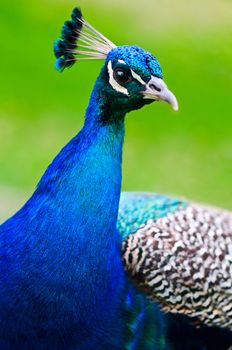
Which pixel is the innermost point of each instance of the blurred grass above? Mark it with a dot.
(187, 154)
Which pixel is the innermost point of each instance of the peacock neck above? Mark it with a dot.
(83, 183)
(75, 206)
(68, 237)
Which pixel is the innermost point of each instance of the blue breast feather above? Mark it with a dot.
(62, 283)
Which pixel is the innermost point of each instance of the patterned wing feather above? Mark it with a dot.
(183, 259)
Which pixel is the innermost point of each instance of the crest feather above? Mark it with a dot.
(79, 40)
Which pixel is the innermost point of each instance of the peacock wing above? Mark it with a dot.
(180, 254)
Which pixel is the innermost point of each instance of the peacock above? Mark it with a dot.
(82, 266)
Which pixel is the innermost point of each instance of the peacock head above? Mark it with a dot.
(130, 78)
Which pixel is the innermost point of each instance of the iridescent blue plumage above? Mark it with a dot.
(44, 266)
(64, 281)
(139, 60)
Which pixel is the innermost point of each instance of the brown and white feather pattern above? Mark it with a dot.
(184, 260)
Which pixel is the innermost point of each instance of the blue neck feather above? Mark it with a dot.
(86, 174)
(69, 233)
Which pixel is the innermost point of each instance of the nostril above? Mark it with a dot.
(154, 87)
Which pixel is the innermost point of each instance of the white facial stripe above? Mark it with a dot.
(134, 75)
(116, 86)
(137, 77)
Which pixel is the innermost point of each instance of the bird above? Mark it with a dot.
(68, 276)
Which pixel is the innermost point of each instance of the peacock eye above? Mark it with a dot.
(122, 75)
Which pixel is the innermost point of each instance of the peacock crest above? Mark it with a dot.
(80, 41)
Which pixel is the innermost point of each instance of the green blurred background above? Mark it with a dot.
(187, 154)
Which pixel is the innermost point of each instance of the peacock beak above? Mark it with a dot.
(156, 89)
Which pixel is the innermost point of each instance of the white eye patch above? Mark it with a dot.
(115, 85)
